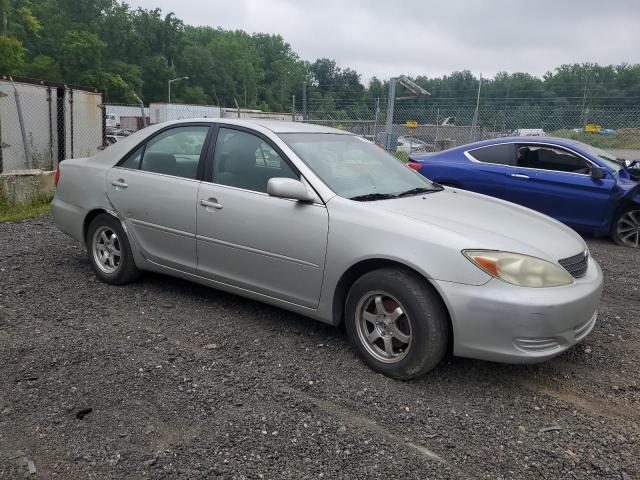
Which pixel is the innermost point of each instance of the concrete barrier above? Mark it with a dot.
(20, 186)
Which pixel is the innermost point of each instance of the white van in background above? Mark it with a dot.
(112, 121)
(528, 132)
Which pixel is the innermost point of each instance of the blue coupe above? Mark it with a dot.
(585, 187)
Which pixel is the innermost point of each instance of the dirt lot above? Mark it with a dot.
(187, 382)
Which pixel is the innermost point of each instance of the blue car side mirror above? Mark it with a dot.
(597, 173)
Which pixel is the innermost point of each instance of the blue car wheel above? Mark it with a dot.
(626, 228)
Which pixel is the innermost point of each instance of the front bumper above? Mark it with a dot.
(505, 323)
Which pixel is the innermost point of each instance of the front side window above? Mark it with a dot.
(501, 154)
(244, 160)
(355, 168)
(173, 152)
(549, 158)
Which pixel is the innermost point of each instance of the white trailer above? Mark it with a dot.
(164, 112)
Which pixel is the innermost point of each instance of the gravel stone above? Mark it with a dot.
(68, 342)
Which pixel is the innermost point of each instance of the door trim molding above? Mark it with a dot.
(161, 228)
(256, 251)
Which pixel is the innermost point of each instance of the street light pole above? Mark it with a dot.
(174, 80)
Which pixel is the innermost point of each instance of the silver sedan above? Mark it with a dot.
(328, 225)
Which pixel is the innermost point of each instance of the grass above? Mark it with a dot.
(402, 156)
(14, 212)
(631, 142)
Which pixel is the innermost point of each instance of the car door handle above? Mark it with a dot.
(211, 203)
(120, 183)
(519, 175)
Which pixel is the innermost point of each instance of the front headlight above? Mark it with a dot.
(521, 270)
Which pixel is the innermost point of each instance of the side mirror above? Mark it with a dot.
(597, 173)
(289, 188)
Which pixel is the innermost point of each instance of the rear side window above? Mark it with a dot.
(173, 152)
(502, 154)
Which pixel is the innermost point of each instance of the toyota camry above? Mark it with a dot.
(326, 224)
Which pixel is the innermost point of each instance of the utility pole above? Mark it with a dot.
(390, 104)
(475, 114)
(416, 91)
(174, 80)
(585, 109)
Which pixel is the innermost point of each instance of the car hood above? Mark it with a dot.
(484, 222)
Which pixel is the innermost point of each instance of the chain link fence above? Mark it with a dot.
(434, 126)
(42, 124)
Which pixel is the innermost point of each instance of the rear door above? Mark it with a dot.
(557, 182)
(248, 239)
(154, 190)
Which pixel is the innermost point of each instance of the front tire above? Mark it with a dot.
(397, 323)
(110, 252)
(625, 230)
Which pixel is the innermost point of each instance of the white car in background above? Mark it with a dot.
(411, 145)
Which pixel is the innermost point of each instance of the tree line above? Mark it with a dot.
(132, 53)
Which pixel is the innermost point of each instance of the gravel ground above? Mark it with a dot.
(188, 382)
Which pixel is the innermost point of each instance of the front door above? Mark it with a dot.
(155, 189)
(558, 183)
(251, 240)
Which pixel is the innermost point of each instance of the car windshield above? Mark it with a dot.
(355, 168)
(605, 157)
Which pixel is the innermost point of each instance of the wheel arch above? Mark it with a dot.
(89, 218)
(365, 266)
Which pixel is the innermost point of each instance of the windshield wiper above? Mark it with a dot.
(418, 190)
(372, 196)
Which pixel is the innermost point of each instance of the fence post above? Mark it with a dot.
(304, 101)
(71, 119)
(375, 122)
(390, 104)
(23, 130)
(2, 94)
(49, 100)
(474, 124)
(293, 108)
(103, 120)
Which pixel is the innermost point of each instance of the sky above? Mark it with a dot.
(385, 38)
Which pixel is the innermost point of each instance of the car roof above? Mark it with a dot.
(276, 126)
(562, 142)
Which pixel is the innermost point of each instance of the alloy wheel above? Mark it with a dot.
(106, 249)
(383, 326)
(628, 228)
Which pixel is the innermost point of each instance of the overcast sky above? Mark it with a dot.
(385, 38)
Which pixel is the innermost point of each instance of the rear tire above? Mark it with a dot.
(110, 252)
(397, 323)
(625, 230)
